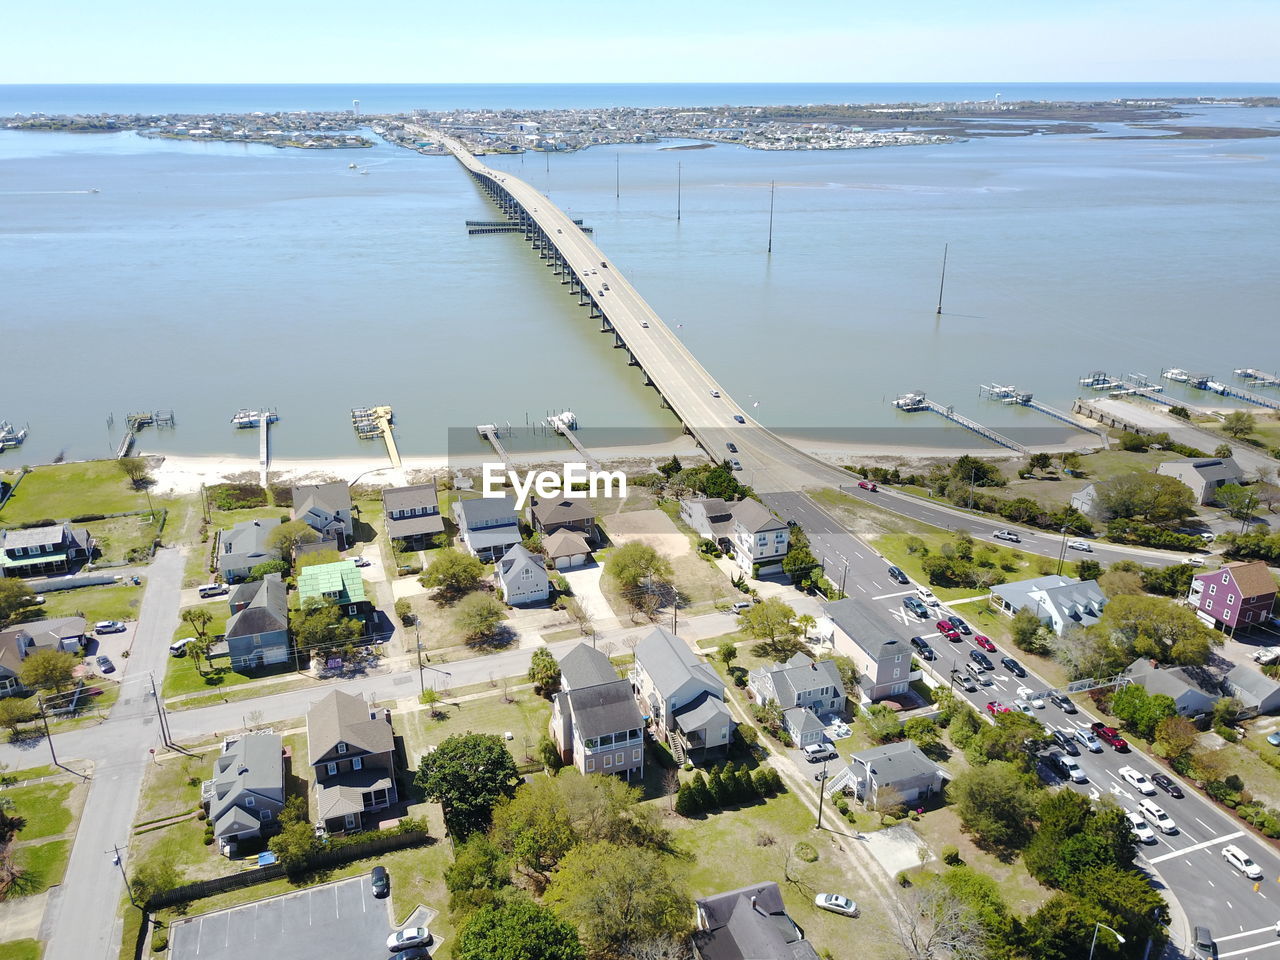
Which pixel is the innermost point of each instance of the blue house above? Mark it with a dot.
(258, 631)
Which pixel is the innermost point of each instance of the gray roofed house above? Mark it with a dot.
(258, 631)
(744, 527)
(522, 576)
(1085, 501)
(1256, 692)
(683, 696)
(247, 789)
(750, 923)
(489, 526)
(326, 509)
(804, 726)
(1204, 475)
(1191, 694)
(755, 516)
(900, 767)
(711, 517)
(351, 748)
(1058, 601)
(594, 718)
(800, 682)
(244, 546)
(21, 640)
(882, 658)
(412, 514)
(585, 666)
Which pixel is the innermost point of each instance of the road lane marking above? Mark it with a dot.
(1249, 933)
(1200, 846)
(1261, 946)
(861, 587)
(889, 596)
(1203, 824)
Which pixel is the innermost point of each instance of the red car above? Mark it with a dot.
(947, 630)
(1109, 736)
(995, 706)
(867, 485)
(984, 642)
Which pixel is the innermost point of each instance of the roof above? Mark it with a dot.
(753, 515)
(329, 497)
(502, 536)
(714, 507)
(340, 717)
(481, 509)
(702, 711)
(669, 663)
(802, 720)
(1253, 578)
(343, 794)
(516, 560)
(1211, 469)
(566, 510)
(1176, 682)
(603, 708)
(17, 640)
(1080, 601)
(565, 543)
(585, 666)
(341, 577)
(750, 923)
(248, 537)
(799, 674)
(1251, 686)
(413, 526)
(35, 536)
(868, 634)
(252, 764)
(896, 763)
(267, 612)
(416, 497)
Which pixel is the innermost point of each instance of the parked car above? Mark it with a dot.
(1142, 832)
(1062, 702)
(925, 594)
(1137, 780)
(995, 706)
(409, 937)
(380, 881)
(1089, 741)
(105, 665)
(179, 647)
(868, 485)
(1067, 741)
(1168, 785)
(213, 590)
(1068, 767)
(1240, 860)
(1013, 666)
(1109, 736)
(1265, 655)
(981, 659)
(817, 752)
(413, 953)
(959, 625)
(984, 642)
(1274, 738)
(926, 651)
(1082, 545)
(1156, 816)
(108, 626)
(836, 904)
(363, 562)
(897, 576)
(947, 630)
(914, 606)
(1008, 535)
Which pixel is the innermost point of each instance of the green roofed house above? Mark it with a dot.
(338, 583)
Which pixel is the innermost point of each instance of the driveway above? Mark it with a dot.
(340, 919)
(585, 584)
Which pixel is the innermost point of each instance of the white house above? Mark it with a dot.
(489, 525)
(1058, 601)
(1204, 475)
(522, 577)
(682, 696)
(800, 682)
(745, 528)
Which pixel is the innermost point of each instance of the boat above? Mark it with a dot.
(245, 418)
(352, 166)
(911, 401)
(1177, 374)
(364, 173)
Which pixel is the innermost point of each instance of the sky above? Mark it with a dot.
(599, 41)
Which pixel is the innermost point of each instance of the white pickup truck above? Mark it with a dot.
(1267, 655)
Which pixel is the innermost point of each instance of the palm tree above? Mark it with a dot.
(198, 618)
(806, 622)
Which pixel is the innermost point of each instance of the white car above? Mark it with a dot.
(1140, 829)
(1161, 820)
(408, 937)
(1023, 707)
(925, 594)
(836, 904)
(1008, 535)
(1031, 697)
(1137, 781)
(1240, 860)
(1082, 545)
(715, 393)
(1194, 562)
(1088, 740)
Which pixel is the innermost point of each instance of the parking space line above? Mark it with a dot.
(1261, 946)
(890, 596)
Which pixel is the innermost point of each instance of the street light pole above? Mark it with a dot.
(44, 717)
(417, 632)
(119, 862)
(1119, 938)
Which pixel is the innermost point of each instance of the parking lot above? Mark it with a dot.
(336, 919)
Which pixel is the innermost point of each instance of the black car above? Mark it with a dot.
(413, 953)
(1067, 742)
(1013, 666)
(926, 651)
(959, 625)
(897, 576)
(105, 665)
(981, 659)
(732, 447)
(1062, 702)
(380, 880)
(1166, 783)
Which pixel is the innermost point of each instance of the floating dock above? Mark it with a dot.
(1012, 395)
(490, 432)
(915, 401)
(1257, 378)
(564, 424)
(246, 419)
(370, 423)
(11, 436)
(1205, 382)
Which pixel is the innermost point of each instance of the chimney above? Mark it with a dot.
(755, 907)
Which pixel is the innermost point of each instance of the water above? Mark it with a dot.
(206, 277)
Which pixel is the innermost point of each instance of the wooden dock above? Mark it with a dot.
(370, 423)
(564, 424)
(912, 402)
(1012, 395)
(1229, 390)
(1257, 378)
(490, 432)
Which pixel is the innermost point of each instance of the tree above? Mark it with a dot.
(48, 670)
(134, 470)
(1026, 631)
(772, 622)
(14, 711)
(153, 877)
(468, 774)
(848, 671)
(197, 618)
(1222, 451)
(477, 617)
(294, 845)
(1239, 423)
(671, 467)
(703, 797)
(452, 573)
(478, 871)
(1063, 928)
(1006, 739)
(995, 802)
(932, 923)
(687, 801)
(981, 894)
(617, 896)
(726, 653)
(923, 732)
(1152, 496)
(200, 650)
(1088, 569)
(544, 671)
(882, 723)
(16, 600)
(1039, 461)
(266, 569)
(634, 564)
(1236, 500)
(290, 535)
(1140, 711)
(517, 930)
(320, 627)
(806, 622)
(1175, 737)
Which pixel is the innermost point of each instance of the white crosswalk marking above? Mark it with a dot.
(1199, 846)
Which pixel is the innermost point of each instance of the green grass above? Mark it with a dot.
(43, 865)
(21, 950)
(182, 677)
(526, 717)
(44, 807)
(243, 691)
(63, 490)
(34, 773)
(117, 536)
(119, 601)
(167, 791)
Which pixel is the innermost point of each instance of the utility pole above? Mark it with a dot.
(943, 282)
(1062, 551)
(44, 717)
(417, 632)
(164, 721)
(822, 793)
(678, 190)
(770, 247)
(119, 862)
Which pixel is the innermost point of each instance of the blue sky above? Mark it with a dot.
(576, 41)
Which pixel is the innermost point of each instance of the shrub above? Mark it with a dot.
(903, 879)
(806, 852)
(237, 496)
(763, 785)
(88, 518)
(841, 804)
(405, 612)
(775, 782)
(951, 856)
(159, 939)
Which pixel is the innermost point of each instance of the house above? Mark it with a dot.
(351, 748)
(43, 551)
(258, 631)
(1058, 601)
(567, 549)
(594, 718)
(800, 682)
(803, 726)
(744, 528)
(1085, 501)
(897, 767)
(682, 696)
(246, 793)
(326, 509)
(412, 515)
(339, 583)
(1257, 692)
(1193, 693)
(20, 641)
(883, 661)
(522, 576)
(567, 513)
(244, 546)
(489, 525)
(1239, 594)
(1204, 475)
(750, 923)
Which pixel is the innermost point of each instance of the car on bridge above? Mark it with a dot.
(735, 464)
(714, 393)
(739, 418)
(731, 447)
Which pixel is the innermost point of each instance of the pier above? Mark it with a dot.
(1205, 382)
(916, 401)
(1132, 384)
(246, 419)
(371, 423)
(564, 424)
(134, 424)
(11, 436)
(1012, 395)
(490, 432)
(1257, 378)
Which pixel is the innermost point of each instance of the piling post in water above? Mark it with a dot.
(770, 247)
(943, 282)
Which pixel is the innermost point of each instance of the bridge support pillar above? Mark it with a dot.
(618, 342)
(605, 325)
(631, 359)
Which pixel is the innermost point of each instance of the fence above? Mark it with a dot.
(347, 853)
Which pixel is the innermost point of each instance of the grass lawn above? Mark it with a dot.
(64, 490)
(182, 676)
(1266, 434)
(1057, 489)
(118, 536)
(119, 601)
(21, 950)
(43, 864)
(168, 792)
(44, 807)
(34, 773)
(526, 718)
(242, 691)
(198, 557)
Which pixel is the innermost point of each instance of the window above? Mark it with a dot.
(1213, 589)
(342, 747)
(264, 814)
(591, 764)
(897, 671)
(635, 755)
(608, 760)
(248, 801)
(621, 761)
(332, 769)
(351, 821)
(1231, 598)
(898, 658)
(1226, 578)
(1208, 604)
(352, 609)
(357, 763)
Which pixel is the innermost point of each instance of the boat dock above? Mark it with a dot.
(1205, 382)
(915, 401)
(1012, 395)
(490, 432)
(564, 424)
(135, 422)
(370, 423)
(246, 419)
(1257, 378)
(11, 436)
(1130, 384)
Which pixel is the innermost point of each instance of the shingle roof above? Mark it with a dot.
(867, 633)
(567, 510)
(413, 526)
(410, 498)
(267, 612)
(1253, 578)
(753, 515)
(329, 497)
(341, 577)
(603, 708)
(802, 720)
(1175, 682)
(584, 666)
(341, 717)
(516, 559)
(344, 793)
(502, 536)
(479, 509)
(1209, 468)
(749, 924)
(565, 543)
(249, 537)
(251, 765)
(1250, 685)
(35, 536)
(670, 663)
(896, 762)
(701, 711)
